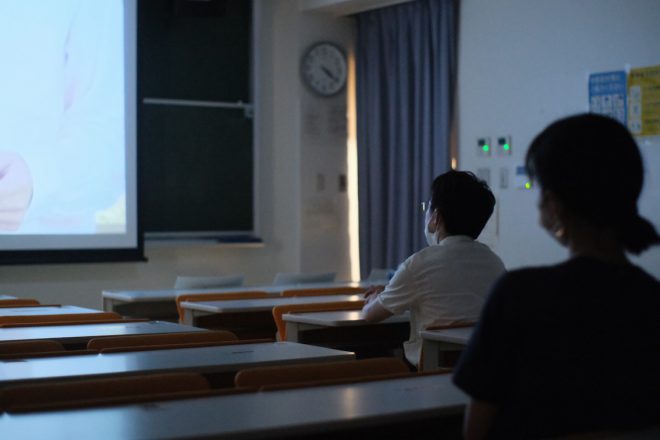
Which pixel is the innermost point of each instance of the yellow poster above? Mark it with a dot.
(644, 101)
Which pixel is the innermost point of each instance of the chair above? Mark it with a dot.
(282, 278)
(279, 311)
(46, 354)
(33, 346)
(183, 345)
(324, 291)
(99, 392)
(129, 341)
(207, 282)
(66, 322)
(216, 297)
(64, 318)
(319, 372)
(18, 302)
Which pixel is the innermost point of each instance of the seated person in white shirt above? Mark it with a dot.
(448, 281)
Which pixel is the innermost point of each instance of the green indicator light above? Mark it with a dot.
(506, 147)
(528, 185)
(486, 147)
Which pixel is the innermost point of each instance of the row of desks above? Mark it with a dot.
(305, 412)
(435, 342)
(361, 404)
(160, 304)
(207, 360)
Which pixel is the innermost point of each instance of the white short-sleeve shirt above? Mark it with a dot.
(442, 284)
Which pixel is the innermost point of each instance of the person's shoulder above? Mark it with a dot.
(645, 279)
(525, 279)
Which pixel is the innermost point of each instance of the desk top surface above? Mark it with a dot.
(339, 318)
(250, 415)
(7, 297)
(44, 310)
(459, 335)
(66, 333)
(171, 294)
(200, 359)
(263, 304)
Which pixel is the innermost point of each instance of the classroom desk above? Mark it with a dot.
(297, 323)
(212, 359)
(44, 310)
(333, 411)
(436, 342)
(347, 330)
(195, 309)
(159, 304)
(77, 336)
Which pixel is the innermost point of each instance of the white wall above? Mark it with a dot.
(323, 147)
(524, 63)
(293, 242)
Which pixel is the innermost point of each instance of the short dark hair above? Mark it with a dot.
(592, 164)
(464, 202)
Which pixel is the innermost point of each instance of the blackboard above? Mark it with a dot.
(195, 162)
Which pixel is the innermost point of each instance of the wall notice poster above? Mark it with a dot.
(644, 101)
(607, 94)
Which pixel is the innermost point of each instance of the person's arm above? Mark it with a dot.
(479, 418)
(373, 310)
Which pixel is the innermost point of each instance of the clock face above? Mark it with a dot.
(324, 69)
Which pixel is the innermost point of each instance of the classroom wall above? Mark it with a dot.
(524, 63)
(293, 241)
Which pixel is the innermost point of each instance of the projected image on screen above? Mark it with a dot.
(62, 118)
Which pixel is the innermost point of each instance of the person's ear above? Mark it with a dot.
(553, 217)
(436, 223)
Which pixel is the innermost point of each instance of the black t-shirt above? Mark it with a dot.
(568, 348)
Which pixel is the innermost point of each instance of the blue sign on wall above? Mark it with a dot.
(607, 94)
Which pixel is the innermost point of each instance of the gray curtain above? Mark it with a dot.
(406, 64)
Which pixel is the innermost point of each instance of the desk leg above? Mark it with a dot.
(108, 305)
(431, 359)
(292, 331)
(188, 317)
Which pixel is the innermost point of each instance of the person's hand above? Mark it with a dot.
(372, 292)
(15, 190)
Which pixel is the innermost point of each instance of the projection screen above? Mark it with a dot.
(68, 180)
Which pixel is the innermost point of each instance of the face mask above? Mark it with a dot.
(431, 237)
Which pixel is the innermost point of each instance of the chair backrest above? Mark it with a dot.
(448, 326)
(18, 302)
(282, 278)
(324, 291)
(47, 354)
(184, 345)
(280, 310)
(319, 372)
(64, 318)
(207, 282)
(33, 346)
(82, 322)
(128, 341)
(216, 297)
(95, 392)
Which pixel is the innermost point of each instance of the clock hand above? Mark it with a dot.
(329, 73)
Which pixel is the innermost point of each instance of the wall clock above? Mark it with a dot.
(324, 69)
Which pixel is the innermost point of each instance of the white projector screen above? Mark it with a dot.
(68, 131)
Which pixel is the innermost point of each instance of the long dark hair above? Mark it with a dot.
(593, 165)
